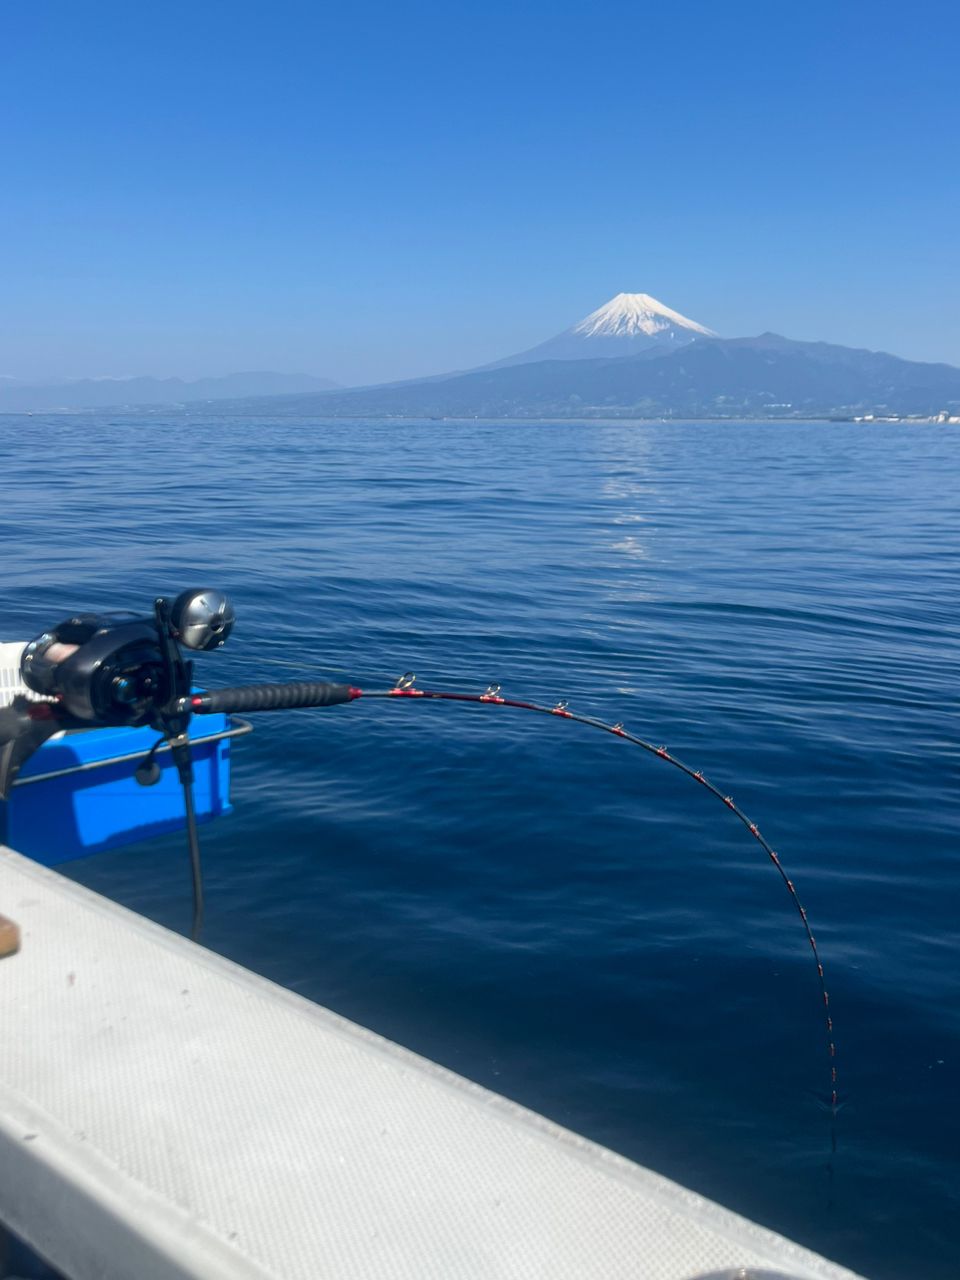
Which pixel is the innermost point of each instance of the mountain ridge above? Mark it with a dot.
(108, 393)
(633, 357)
(763, 377)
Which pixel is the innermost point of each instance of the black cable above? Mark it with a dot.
(180, 750)
(148, 771)
(196, 870)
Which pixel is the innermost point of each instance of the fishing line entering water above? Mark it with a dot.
(404, 688)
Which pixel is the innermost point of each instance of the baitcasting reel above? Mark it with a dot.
(120, 669)
(114, 669)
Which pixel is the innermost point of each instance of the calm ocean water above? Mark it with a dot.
(542, 908)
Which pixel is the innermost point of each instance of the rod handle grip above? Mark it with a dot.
(272, 697)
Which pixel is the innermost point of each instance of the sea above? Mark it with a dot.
(547, 910)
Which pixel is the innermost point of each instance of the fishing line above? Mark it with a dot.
(404, 688)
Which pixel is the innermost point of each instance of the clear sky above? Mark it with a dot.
(376, 190)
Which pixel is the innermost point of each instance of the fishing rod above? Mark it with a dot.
(288, 695)
(98, 670)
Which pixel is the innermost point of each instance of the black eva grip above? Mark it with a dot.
(274, 697)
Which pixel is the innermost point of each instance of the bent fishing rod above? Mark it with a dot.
(98, 670)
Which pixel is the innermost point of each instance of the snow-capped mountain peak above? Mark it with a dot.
(629, 314)
(629, 324)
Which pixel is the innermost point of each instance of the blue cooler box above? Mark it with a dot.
(78, 795)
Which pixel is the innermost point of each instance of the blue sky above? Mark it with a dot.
(384, 190)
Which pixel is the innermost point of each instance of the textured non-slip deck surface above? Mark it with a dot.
(166, 1113)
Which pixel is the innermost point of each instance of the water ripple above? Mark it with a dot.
(547, 911)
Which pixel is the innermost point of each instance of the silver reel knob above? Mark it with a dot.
(202, 618)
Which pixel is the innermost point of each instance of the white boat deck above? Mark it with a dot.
(165, 1113)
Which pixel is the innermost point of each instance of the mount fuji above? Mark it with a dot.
(625, 326)
(636, 358)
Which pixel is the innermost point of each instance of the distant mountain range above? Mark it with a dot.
(634, 357)
(102, 393)
(631, 358)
